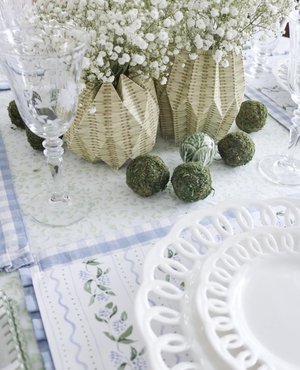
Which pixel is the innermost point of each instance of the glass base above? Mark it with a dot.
(65, 212)
(280, 169)
(4, 85)
(256, 70)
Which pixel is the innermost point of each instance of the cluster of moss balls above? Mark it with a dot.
(191, 180)
(34, 140)
(148, 174)
(237, 148)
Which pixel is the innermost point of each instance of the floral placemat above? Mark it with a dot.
(82, 297)
(14, 249)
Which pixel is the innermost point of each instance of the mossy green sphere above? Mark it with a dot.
(14, 115)
(147, 175)
(198, 147)
(34, 140)
(191, 181)
(236, 148)
(252, 116)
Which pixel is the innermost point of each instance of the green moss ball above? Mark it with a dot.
(236, 148)
(252, 116)
(147, 175)
(34, 140)
(198, 147)
(14, 115)
(191, 181)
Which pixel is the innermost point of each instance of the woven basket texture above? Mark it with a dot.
(200, 95)
(114, 125)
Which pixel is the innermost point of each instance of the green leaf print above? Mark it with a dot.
(98, 318)
(126, 333)
(122, 366)
(111, 318)
(92, 263)
(133, 353)
(92, 299)
(88, 286)
(114, 311)
(124, 316)
(99, 272)
(110, 336)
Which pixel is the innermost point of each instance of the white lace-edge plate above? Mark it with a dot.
(246, 296)
(167, 272)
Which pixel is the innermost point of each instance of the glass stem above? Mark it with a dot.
(53, 153)
(294, 134)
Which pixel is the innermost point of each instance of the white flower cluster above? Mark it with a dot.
(134, 35)
(143, 36)
(226, 25)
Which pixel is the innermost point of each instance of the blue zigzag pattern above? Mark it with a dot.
(73, 327)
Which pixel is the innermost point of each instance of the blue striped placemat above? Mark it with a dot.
(14, 249)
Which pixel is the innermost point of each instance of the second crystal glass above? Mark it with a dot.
(285, 169)
(43, 63)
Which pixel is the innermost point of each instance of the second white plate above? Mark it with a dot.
(246, 297)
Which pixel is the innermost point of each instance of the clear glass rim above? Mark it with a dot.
(82, 41)
(294, 16)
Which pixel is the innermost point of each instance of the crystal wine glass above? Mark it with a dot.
(43, 63)
(14, 12)
(263, 44)
(285, 169)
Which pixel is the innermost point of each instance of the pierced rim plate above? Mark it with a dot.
(246, 296)
(165, 304)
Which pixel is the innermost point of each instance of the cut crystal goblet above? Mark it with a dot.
(43, 63)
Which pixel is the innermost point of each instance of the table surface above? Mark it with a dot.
(116, 207)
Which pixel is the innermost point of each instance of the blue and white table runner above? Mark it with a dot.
(14, 248)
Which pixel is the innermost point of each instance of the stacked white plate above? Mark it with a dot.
(222, 290)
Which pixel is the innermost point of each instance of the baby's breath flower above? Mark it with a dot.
(143, 37)
(224, 26)
(163, 81)
(193, 56)
(126, 36)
